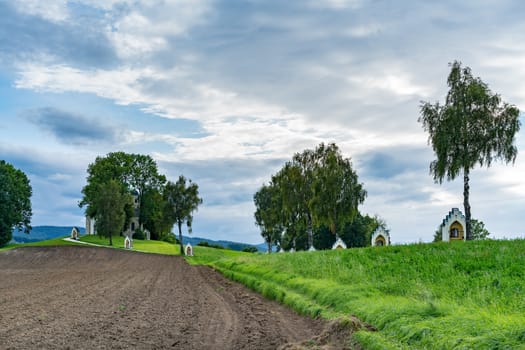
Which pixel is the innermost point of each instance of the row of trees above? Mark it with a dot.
(313, 199)
(107, 196)
(15, 201)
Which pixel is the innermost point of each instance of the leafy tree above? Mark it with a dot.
(135, 172)
(155, 214)
(268, 204)
(183, 199)
(323, 238)
(358, 233)
(15, 202)
(111, 214)
(337, 192)
(478, 230)
(473, 127)
(438, 236)
(301, 179)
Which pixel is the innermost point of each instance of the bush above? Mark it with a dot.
(250, 249)
(170, 238)
(207, 244)
(139, 234)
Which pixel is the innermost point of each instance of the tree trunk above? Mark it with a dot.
(110, 240)
(310, 233)
(180, 238)
(269, 246)
(466, 203)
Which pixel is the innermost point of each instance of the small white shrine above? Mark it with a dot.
(128, 242)
(453, 226)
(75, 233)
(188, 250)
(380, 237)
(339, 244)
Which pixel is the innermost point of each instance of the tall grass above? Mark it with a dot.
(464, 295)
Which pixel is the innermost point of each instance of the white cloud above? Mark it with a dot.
(148, 27)
(52, 10)
(395, 83)
(265, 81)
(364, 31)
(336, 4)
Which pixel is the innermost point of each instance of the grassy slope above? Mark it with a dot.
(157, 247)
(438, 296)
(460, 295)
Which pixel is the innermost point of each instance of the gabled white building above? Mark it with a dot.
(453, 226)
(380, 237)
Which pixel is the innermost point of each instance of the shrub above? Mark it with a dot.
(250, 249)
(139, 234)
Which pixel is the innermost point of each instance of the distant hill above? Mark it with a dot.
(42, 233)
(226, 244)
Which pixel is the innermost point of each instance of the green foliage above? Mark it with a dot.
(207, 244)
(183, 199)
(15, 201)
(268, 213)
(139, 234)
(437, 236)
(170, 238)
(134, 172)
(155, 214)
(478, 230)
(111, 213)
(424, 296)
(250, 249)
(473, 127)
(316, 189)
(337, 192)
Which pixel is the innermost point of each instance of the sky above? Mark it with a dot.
(225, 92)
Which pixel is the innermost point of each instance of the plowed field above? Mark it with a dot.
(86, 298)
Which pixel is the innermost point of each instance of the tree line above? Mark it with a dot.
(312, 200)
(108, 197)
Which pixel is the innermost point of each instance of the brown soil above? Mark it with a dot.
(86, 298)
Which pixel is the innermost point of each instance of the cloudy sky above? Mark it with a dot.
(225, 92)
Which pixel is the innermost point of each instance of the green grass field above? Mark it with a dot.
(462, 295)
(157, 247)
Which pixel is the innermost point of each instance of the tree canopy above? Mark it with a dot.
(15, 201)
(183, 199)
(337, 192)
(268, 213)
(314, 194)
(161, 203)
(111, 202)
(473, 127)
(136, 172)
